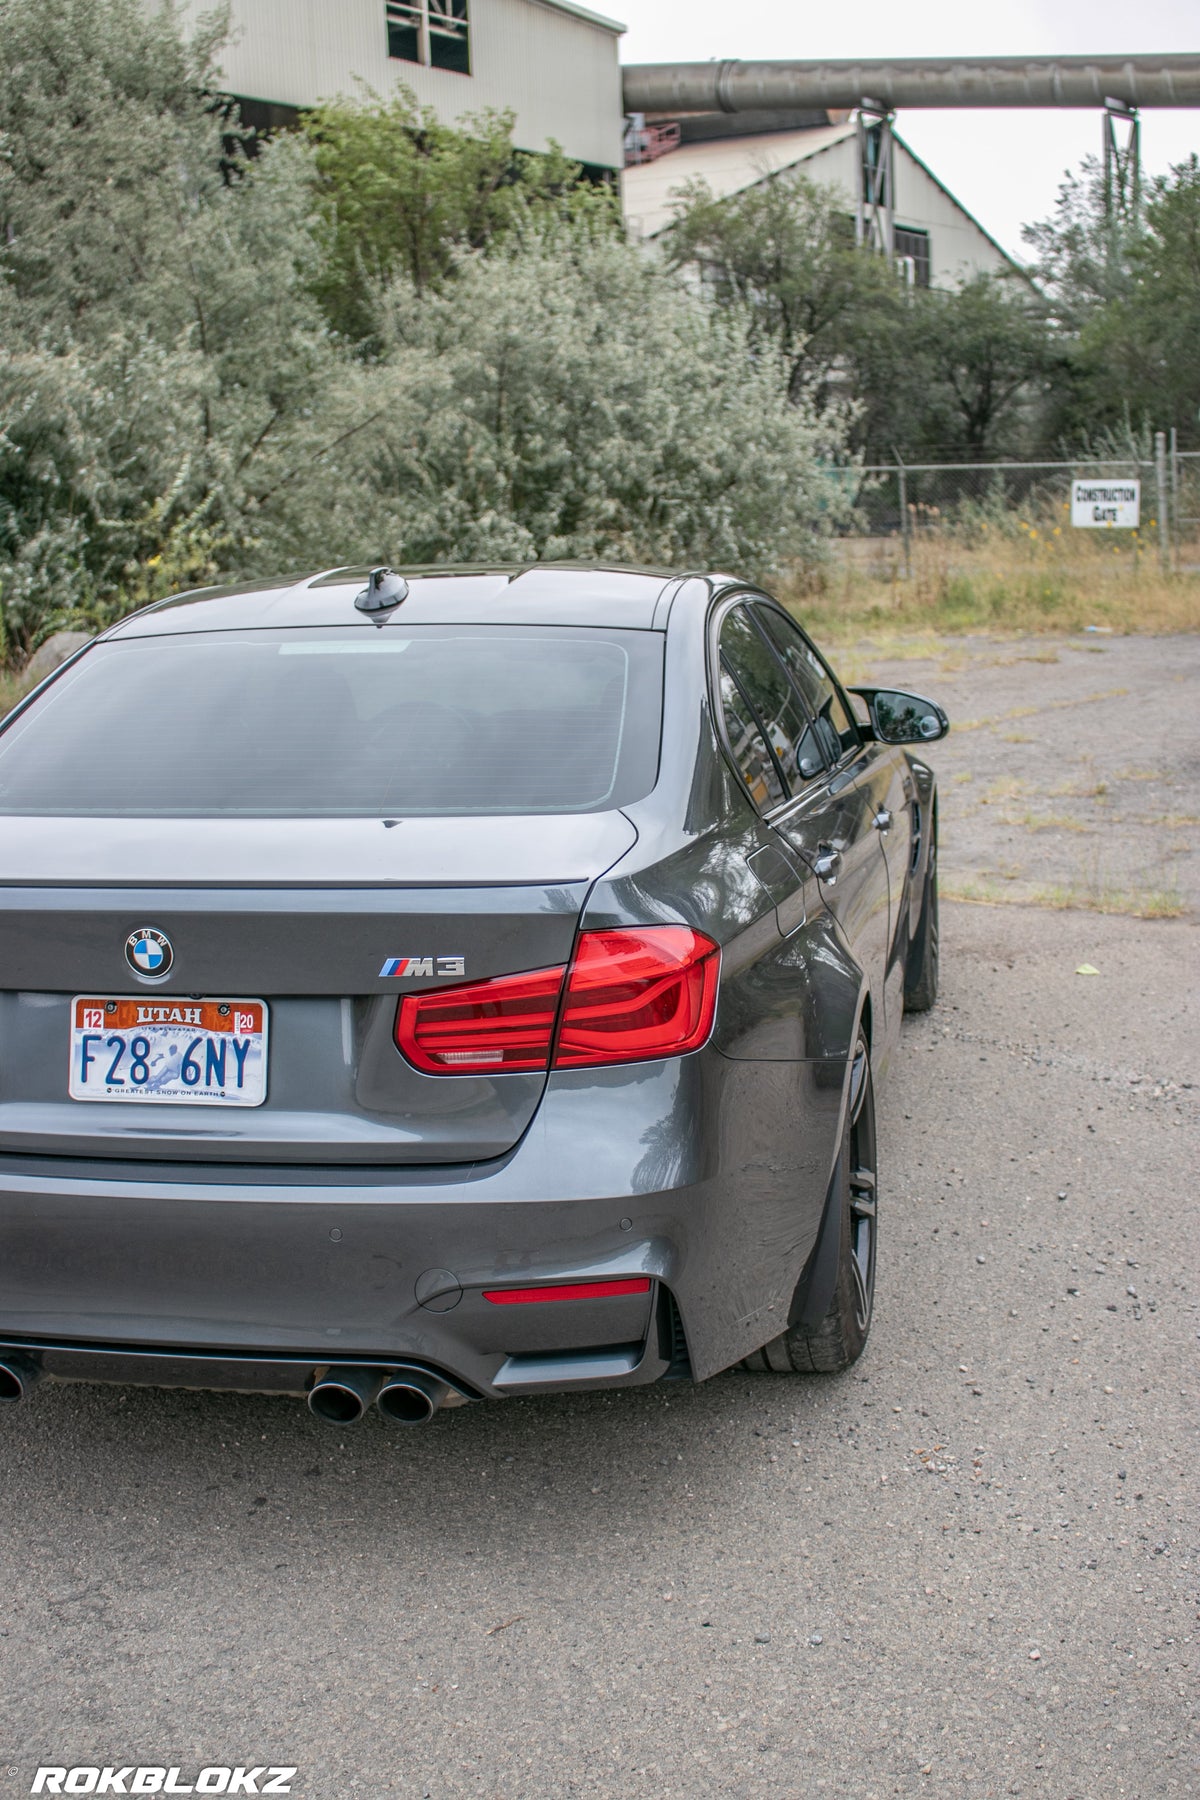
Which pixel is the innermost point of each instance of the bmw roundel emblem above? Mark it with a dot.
(149, 952)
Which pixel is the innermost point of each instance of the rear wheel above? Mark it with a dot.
(837, 1340)
(921, 970)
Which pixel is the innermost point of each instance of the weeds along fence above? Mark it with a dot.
(967, 546)
(1022, 511)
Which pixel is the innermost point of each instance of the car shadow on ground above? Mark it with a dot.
(581, 1462)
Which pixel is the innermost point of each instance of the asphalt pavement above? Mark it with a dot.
(1072, 766)
(966, 1567)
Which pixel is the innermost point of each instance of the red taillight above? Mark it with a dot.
(637, 994)
(633, 994)
(485, 1028)
(570, 1290)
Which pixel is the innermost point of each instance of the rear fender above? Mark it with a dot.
(814, 1290)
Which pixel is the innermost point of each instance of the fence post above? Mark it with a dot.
(905, 523)
(1160, 484)
(1174, 497)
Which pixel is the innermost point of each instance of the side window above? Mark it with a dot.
(771, 735)
(837, 729)
(756, 765)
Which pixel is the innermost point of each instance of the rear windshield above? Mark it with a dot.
(343, 722)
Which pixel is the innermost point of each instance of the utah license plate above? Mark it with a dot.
(182, 1052)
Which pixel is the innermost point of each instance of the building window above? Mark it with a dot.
(434, 32)
(912, 254)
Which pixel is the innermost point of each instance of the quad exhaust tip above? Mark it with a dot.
(343, 1396)
(410, 1398)
(18, 1376)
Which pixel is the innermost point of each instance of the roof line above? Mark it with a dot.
(584, 13)
(847, 128)
(922, 164)
(761, 176)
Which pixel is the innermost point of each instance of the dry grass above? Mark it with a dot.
(1030, 821)
(1005, 582)
(984, 890)
(1007, 787)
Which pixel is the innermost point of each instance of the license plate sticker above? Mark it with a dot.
(177, 1052)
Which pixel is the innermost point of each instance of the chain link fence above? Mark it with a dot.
(1020, 514)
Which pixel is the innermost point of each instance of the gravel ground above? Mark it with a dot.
(966, 1567)
(1072, 771)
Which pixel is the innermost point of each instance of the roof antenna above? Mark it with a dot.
(385, 590)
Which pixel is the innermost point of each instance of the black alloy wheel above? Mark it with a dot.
(862, 1184)
(839, 1337)
(921, 970)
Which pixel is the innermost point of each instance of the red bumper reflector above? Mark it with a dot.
(570, 1290)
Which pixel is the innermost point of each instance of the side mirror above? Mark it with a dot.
(900, 718)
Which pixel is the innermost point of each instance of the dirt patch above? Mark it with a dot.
(1071, 776)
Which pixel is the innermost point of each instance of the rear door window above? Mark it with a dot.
(835, 725)
(770, 733)
(344, 721)
(757, 767)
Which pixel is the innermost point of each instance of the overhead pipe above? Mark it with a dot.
(1091, 81)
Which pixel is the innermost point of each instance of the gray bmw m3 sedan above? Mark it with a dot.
(440, 986)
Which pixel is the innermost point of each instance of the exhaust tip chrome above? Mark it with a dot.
(342, 1396)
(411, 1398)
(17, 1376)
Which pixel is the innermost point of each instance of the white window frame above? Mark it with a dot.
(432, 18)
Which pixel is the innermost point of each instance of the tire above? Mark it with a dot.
(836, 1341)
(921, 969)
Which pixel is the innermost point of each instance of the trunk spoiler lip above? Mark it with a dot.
(117, 854)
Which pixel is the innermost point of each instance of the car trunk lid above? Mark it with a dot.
(328, 922)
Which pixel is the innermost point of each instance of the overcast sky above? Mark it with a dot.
(1004, 166)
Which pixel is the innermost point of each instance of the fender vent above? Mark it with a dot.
(673, 1339)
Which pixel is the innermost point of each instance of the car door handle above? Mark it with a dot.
(883, 819)
(827, 862)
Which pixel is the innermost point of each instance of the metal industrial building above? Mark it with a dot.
(935, 239)
(552, 63)
(734, 124)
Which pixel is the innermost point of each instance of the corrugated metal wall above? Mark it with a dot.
(828, 155)
(958, 248)
(558, 73)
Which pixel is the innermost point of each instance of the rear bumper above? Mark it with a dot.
(616, 1365)
(241, 1288)
(705, 1176)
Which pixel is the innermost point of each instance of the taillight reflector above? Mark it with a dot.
(571, 1290)
(633, 994)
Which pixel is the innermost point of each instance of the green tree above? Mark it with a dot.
(566, 397)
(784, 251)
(957, 372)
(402, 193)
(164, 365)
(978, 360)
(1079, 263)
(1139, 355)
